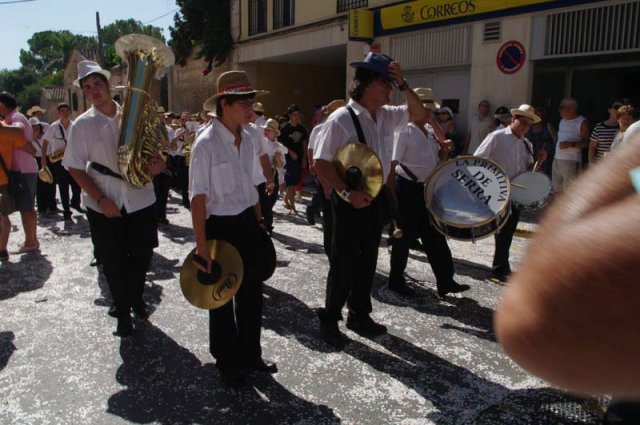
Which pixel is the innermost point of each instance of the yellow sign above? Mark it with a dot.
(360, 24)
(426, 11)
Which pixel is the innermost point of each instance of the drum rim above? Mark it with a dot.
(428, 191)
(538, 204)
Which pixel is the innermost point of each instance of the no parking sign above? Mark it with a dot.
(511, 57)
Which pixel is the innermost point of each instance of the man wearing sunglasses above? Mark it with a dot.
(357, 223)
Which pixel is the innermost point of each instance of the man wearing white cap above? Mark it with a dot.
(122, 218)
(514, 153)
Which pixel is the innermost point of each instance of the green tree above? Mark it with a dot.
(49, 51)
(203, 24)
(115, 30)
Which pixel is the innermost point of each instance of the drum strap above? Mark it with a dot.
(105, 170)
(409, 172)
(526, 145)
(356, 124)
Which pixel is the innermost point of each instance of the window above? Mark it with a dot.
(257, 16)
(283, 13)
(344, 5)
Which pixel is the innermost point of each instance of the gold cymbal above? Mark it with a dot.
(359, 167)
(227, 270)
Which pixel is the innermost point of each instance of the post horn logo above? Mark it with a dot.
(408, 15)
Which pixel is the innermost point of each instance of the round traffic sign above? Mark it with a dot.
(511, 57)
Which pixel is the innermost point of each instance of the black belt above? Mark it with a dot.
(105, 170)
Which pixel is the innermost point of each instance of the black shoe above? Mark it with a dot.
(95, 262)
(231, 375)
(401, 289)
(113, 311)
(125, 327)
(499, 278)
(141, 310)
(4, 255)
(263, 366)
(454, 288)
(66, 215)
(365, 326)
(311, 219)
(330, 332)
(78, 208)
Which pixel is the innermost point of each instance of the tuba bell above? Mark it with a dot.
(147, 58)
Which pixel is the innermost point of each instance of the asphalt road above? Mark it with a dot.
(439, 363)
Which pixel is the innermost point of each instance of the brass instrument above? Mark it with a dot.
(147, 58)
(215, 289)
(57, 155)
(189, 138)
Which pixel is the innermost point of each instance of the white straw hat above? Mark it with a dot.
(86, 68)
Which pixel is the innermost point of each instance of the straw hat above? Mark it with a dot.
(34, 121)
(35, 109)
(526, 111)
(176, 123)
(272, 124)
(425, 94)
(86, 68)
(45, 175)
(231, 83)
(334, 105)
(257, 107)
(160, 110)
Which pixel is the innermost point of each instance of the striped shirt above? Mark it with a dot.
(603, 134)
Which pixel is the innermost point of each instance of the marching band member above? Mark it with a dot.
(224, 205)
(122, 218)
(514, 153)
(357, 224)
(276, 152)
(416, 152)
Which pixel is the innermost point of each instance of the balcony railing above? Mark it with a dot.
(283, 13)
(344, 5)
(257, 16)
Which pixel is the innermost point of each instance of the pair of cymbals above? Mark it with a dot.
(215, 289)
(360, 168)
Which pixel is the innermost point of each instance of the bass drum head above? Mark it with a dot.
(531, 190)
(468, 197)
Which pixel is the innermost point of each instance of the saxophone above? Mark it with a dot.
(147, 58)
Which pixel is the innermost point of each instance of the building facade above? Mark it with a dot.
(520, 51)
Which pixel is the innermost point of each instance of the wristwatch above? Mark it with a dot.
(344, 194)
(403, 86)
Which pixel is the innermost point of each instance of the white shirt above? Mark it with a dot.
(260, 146)
(569, 131)
(339, 130)
(416, 151)
(37, 145)
(222, 172)
(93, 137)
(509, 151)
(313, 137)
(56, 137)
(274, 148)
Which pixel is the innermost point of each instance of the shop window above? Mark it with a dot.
(283, 13)
(257, 16)
(344, 5)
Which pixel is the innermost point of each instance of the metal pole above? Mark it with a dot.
(100, 49)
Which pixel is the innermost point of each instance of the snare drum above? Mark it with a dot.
(468, 197)
(531, 191)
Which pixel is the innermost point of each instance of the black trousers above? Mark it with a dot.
(503, 240)
(182, 179)
(415, 221)
(126, 246)
(234, 328)
(45, 193)
(64, 181)
(327, 219)
(316, 200)
(161, 184)
(355, 237)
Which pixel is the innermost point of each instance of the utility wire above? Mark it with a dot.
(154, 19)
(17, 1)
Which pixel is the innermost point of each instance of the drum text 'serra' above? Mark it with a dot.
(476, 183)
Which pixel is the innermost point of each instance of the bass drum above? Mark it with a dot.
(531, 191)
(468, 198)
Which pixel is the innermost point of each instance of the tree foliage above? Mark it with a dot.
(49, 51)
(202, 24)
(115, 30)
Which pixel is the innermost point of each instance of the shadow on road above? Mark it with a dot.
(167, 384)
(24, 273)
(294, 244)
(6, 347)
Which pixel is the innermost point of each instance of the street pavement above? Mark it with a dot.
(438, 364)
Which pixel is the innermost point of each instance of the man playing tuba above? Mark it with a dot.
(122, 218)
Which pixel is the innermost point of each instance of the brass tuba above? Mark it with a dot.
(147, 58)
